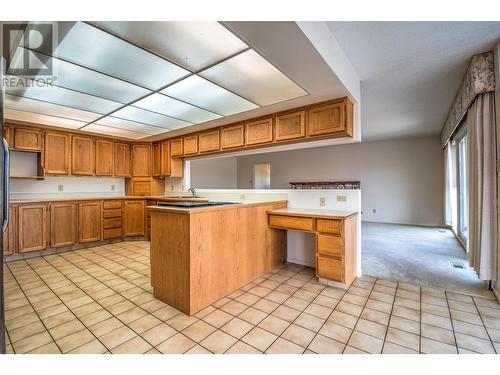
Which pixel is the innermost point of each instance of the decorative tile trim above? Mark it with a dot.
(479, 78)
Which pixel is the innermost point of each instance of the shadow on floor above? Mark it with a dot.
(418, 255)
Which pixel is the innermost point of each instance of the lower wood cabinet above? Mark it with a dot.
(89, 222)
(32, 224)
(10, 234)
(134, 216)
(63, 224)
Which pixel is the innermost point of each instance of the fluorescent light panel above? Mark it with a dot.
(107, 130)
(194, 45)
(151, 118)
(129, 125)
(36, 118)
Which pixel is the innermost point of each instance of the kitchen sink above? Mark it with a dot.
(194, 204)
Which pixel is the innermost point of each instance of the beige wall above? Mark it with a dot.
(401, 179)
(219, 173)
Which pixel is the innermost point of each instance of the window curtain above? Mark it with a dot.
(448, 209)
(482, 186)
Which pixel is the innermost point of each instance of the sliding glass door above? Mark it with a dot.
(461, 141)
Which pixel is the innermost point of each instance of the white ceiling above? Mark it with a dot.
(410, 71)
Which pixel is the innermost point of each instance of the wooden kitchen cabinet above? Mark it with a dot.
(122, 159)
(134, 218)
(141, 160)
(28, 139)
(209, 141)
(57, 153)
(176, 148)
(233, 136)
(8, 134)
(190, 144)
(176, 167)
(63, 224)
(10, 234)
(156, 159)
(259, 131)
(89, 221)
(32, 227)
(104, 158)
(82, 156)
(165, 158)
(332, 118)
(291, 126)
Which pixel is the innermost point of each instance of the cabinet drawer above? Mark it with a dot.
(331, 269)
(291, 222)
(113, 223)
(330, 245)
(329, 226)
(112, 204)
(112, 233)
(112, 213)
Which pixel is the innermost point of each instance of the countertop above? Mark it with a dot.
(310, 212)
(190, 210)
(97, 198)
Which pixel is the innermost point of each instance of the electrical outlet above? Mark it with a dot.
(322, 201)
(112, 187)
(60, 187)
(172, 187)
(341, 198)
(374, 210)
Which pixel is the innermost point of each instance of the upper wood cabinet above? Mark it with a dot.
(8, 134)
(32, 224)
(165, 158)
(156, 159)
(10, 234)
(89, 221)
(63, 224)
(258, 132)
(176, 167)
(82, 156)
(291, 126)
(190, 144)
(57, 153)
(28, 139)
(233, 136)
(209, 141)
(330, 118)
(104, 157)
(141, 160)
(176, 148)
(134, 218)
(122, 159)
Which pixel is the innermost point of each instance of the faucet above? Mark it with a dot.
(193, 191)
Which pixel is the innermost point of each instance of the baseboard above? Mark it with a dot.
(301, 262)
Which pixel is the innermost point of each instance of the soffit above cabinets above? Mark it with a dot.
(138, 79)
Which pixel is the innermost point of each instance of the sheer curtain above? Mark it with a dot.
(448, 210)
(482, 186)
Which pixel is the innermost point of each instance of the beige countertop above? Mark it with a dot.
(190, 210)
(313, 212)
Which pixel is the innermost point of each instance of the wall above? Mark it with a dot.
(496, 288)
(401, 179)
(218, 173)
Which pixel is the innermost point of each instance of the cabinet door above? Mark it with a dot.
(89, 222)
(104, 158)
(165, 159)
(156, 159)
(176, 167)
(9, 236)
(63, 224)
(134, 218)
(190, 144)
(176, 148)
(291, 126)
(8, 134)
(122, 159)
(27, 139)
(57, 153)
(82, 160)
(209, 141)
(327, 119)
(260, 131)
(233, 136)
(141, 160)
(32, 222)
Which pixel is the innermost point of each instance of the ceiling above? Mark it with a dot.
(146, 80)
(410, 71)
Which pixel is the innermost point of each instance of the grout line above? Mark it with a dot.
(390, 317)
(484, 326)
(451, 320)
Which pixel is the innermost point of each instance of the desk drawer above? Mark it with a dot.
(330, 269)
(112, 223)
(112, 233)
(112, 204)
(112, 213)
(291, 222)
(331, 246)
(329, 226)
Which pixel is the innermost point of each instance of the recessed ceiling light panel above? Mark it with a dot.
(150, 118)
(113, 132)
(40, 119)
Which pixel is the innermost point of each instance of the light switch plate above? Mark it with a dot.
(322, 201)
(112, 187)
(341, 198)
(60, 187)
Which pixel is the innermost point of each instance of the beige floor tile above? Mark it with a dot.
(375, 316)
(365, 342)
(296, 303)
(310, 322)
(181, 321)
(352, 350)
(390, 348)
(475, 344)
(106, 326)
(318, 311)
(221, 302)
(379, 306)
(252, 316)
(435, 300)
(324, 345)
(92, 347)
(470, 329)
(116, 337)
(165, 313)
(286, 313)
(21, 321)
(259, 290)
(198, 331)
(237, 327)
(274, 325)
(403, 338)
(153, 305)
(362, 292)
(248, 299)
(336, 331)
(371, 328)
(406, 302)
(467, 317)
(463, 306)
(143, 324)
(492, 332)
(17, 312)
(405, 325)
(333, 292)
(326, 301)
(401, 293)
(74, 340)
(459, 297)
(349, 308)
(50, 348)
(242, 348)
(354, 299)
(343, 319)
(234, 308)
(120, 307)
(176, 344)
(207, 310)
(87, 309)
(429, 346)
(26, 331)
(438, 334)
(218, 342)
(95, 317)
(265, 305)
(259, 339)
(305, 295)
(158, 334)
(198, 349)
(136, 345)
(218, 318)
(489, 312)
(299, 335)
(66, 329)
(282, 346)
(406, 313)
(491, 322)
(30, 343)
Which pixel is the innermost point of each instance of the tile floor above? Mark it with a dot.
(99, 300)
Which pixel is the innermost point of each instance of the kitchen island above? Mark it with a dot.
(199, 255)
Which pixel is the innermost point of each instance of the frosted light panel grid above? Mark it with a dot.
(107, 130)
(175, 108)
(205, 94)
(251, 76)
(150, 118)
(129, 125)
(193, 45)
(16, 115)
